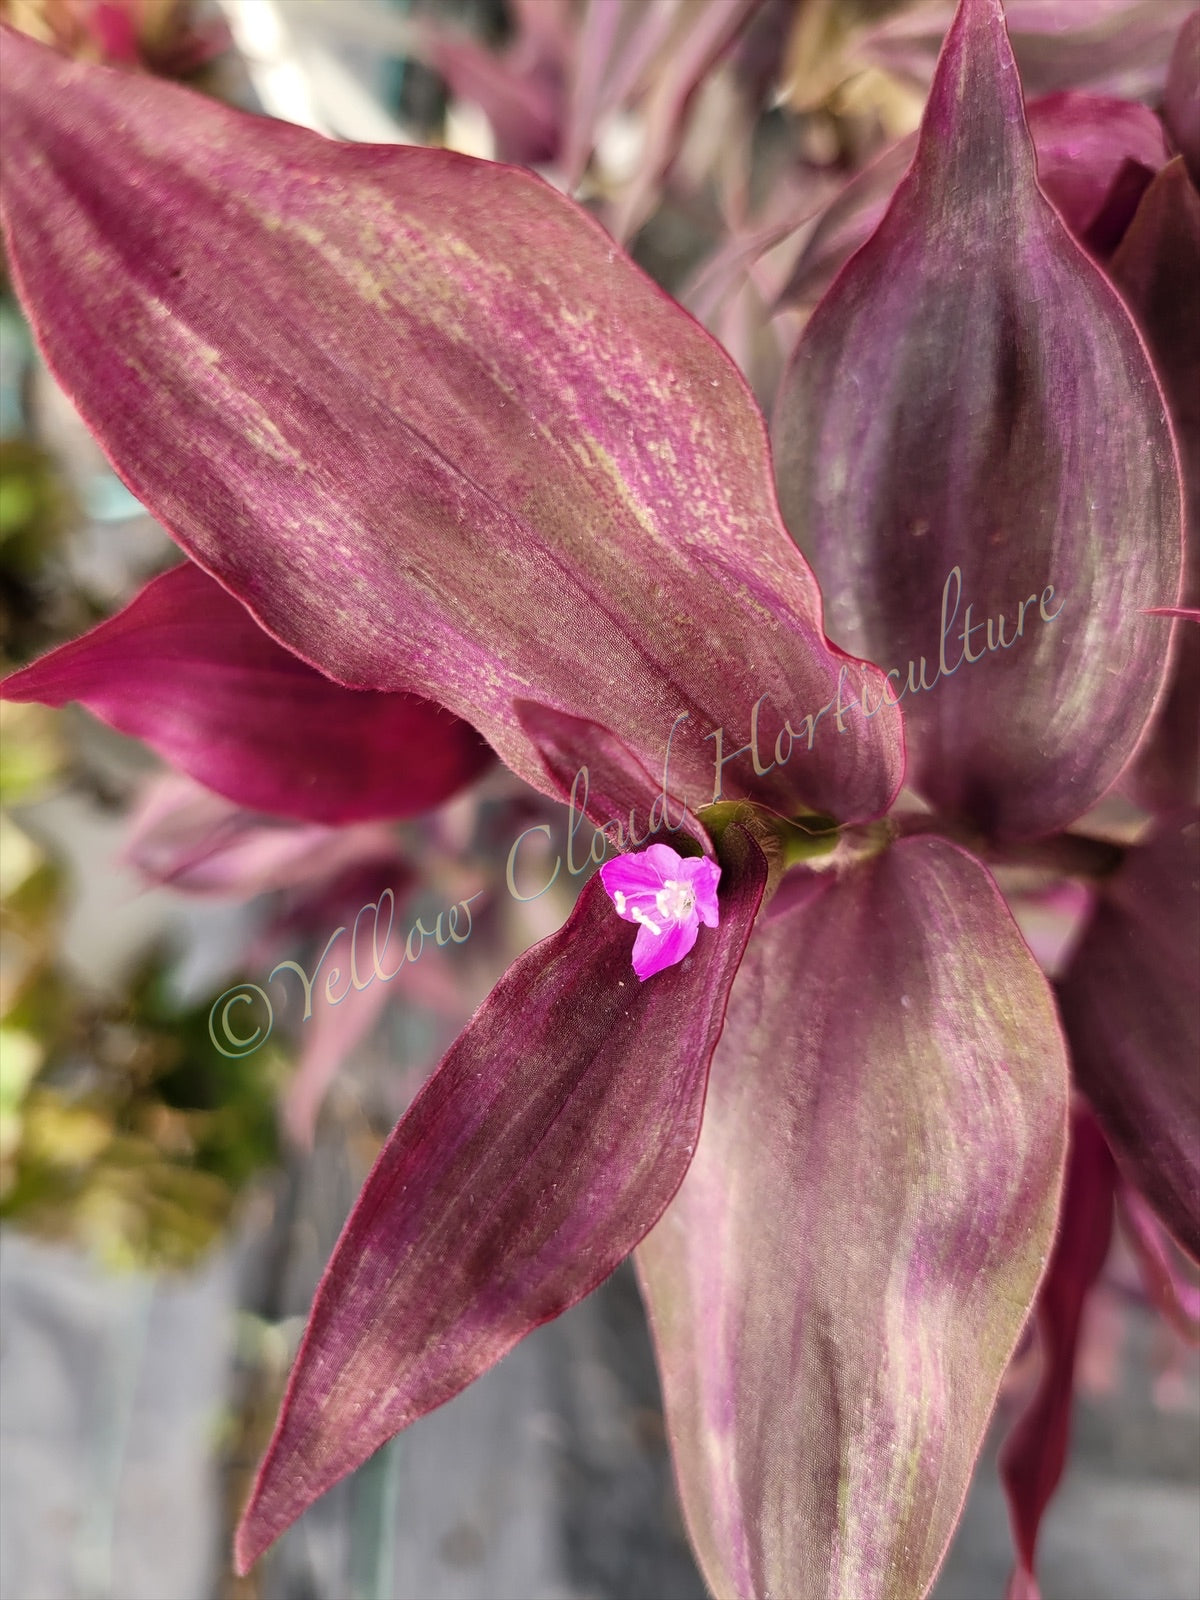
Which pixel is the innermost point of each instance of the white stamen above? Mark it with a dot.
(640, 916)
(619, 902)
(675, 900)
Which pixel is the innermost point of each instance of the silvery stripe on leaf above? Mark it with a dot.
(547, 1142)
(971, 393)
(426, 421)
(1085, 144)
(837, 1287)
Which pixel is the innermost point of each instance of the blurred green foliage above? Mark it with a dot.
(121, 1128)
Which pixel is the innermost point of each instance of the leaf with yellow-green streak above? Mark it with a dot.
(549, 1139)
(837, 1287)
(431, 426)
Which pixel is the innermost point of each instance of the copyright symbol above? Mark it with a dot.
(219, 1018)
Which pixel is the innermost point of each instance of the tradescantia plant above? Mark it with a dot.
(437, 437)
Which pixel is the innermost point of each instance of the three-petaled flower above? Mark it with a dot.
(668, 896)
(445, 440)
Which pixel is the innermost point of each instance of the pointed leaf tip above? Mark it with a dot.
(186, 668)
(546, 1144)
(973, 450)
(1034, 1454)
(440, 436)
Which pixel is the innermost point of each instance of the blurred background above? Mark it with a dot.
(168, 1206)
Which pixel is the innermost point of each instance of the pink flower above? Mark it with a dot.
(442, 440)
(668, 896)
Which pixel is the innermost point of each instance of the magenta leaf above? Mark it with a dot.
(183, 836)
(1035, 1452)
(607, 782)
(331, 1035)
(1156, 269)
(548, 1141)
(445, 438)
(1086, 146)
(354, 926)
(603, 48)
(846, 223)
(703, 35)
(971, 421)
(186, 668)
(520, 89)
(837, 1287)
(1131, 1006)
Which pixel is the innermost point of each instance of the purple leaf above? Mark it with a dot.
(705, 33)
(443, 438)
(1131, 1006)
(1171, 1281)
(1118, 47)
(183, 836)
(970, 420)
(836, 1289)
(329, 1037)
(1086, 147)
(520, 89)
(603, 47)
(1156, 270)
(1181, 101)
(186, 668)
(548, 1141)
(1035, 1452)
(846, 223)
(432, 986)
(594, 765)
